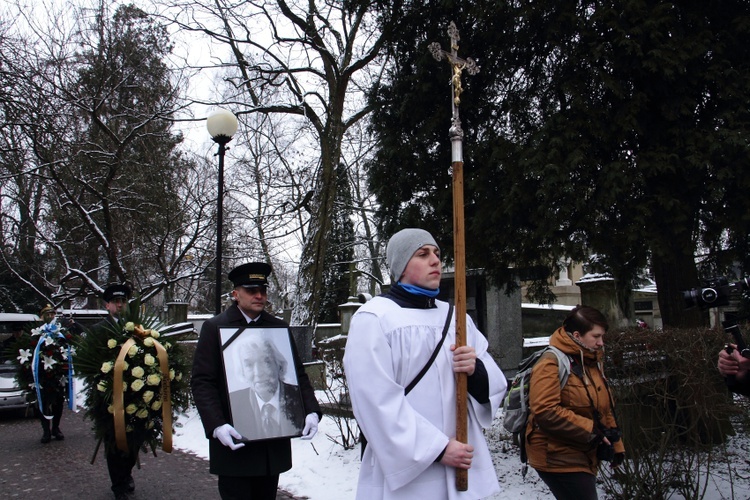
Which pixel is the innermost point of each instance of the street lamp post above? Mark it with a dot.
(222, 125)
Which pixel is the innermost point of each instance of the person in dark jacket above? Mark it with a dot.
(568, 425)
(54, 397)
(119, 463)
(247, 470)
(734, 367)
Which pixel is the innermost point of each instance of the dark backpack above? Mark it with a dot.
(516, 402)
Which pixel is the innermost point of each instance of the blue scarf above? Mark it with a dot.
(418, 290)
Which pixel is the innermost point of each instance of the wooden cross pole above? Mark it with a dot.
(459, 250)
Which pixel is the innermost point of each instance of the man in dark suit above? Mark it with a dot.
(119, 464)
(246, 470)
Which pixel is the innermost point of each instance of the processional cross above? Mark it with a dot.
(459, 249)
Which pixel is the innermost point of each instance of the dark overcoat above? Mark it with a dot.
(257, 458)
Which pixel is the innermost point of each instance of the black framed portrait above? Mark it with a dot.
(264, 395)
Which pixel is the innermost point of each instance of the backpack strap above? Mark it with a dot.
(564, 363)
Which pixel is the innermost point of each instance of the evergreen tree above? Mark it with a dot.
(116, 200)
(618, 129)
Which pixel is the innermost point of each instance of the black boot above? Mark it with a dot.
(46, 437)
(57, 433)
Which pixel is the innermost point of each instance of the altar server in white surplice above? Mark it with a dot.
(411, 448)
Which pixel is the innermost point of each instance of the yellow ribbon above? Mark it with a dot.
(166, 398)
(118, 395)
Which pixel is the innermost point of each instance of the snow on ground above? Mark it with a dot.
(323, 470)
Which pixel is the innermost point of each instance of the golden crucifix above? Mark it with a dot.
(459, 249)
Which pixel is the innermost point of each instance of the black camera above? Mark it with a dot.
(715, 292)
(606, 452)
(613, 435)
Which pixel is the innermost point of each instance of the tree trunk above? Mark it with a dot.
(674, 272)
(310, 282)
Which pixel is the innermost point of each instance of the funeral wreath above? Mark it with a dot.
(135, 383)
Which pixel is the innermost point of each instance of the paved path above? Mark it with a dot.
(62, 469)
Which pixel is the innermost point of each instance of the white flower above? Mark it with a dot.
(133, 350)
(137, 385)
(148, 341)
(156, 404)
(154, 334)
(171, 374)
(149, 360)
(63, 380)
(178, 377)
(72, 351)
(48, 340)
(111, 343)
(130, 326)
(111, 409)
(142, 413)
(138, 372)
(153, 379)
(25, 354)
(48, 362)
(101, 386)
(107, 366)
(148, 396)
(36, 331)
(130, 409)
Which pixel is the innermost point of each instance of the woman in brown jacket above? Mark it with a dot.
(570, 430)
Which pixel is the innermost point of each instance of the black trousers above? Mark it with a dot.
(53, 406)
(248, 488)
(570, 485)
(120, 466)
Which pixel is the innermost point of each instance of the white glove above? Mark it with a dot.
(311, 426)
(225, 433)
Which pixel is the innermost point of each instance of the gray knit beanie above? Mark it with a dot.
(401, 248)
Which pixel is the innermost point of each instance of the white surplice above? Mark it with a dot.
(386, 348)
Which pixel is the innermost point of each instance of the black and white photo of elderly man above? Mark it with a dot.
(268, 406)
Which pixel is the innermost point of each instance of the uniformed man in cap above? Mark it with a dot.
(48, 313)
(119, 464)
(247, 470)
(116, 299)
(53, 397)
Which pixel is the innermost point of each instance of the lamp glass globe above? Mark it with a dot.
(221, 122)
